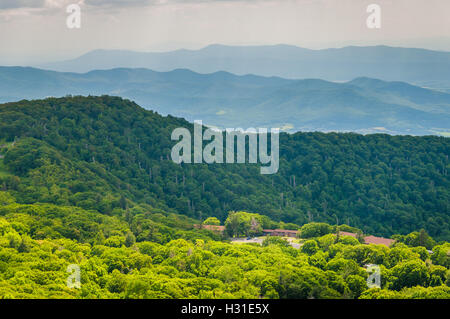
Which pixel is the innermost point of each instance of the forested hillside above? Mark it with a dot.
(87, 181)
(146, 253)
(106, 153)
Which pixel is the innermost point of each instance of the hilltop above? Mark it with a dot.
(418, 66)
(363, 105)
(86, 185)
(103, 153)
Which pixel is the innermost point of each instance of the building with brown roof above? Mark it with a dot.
(293, 233)
(344, 233)
(214, 228)
(378, 240)
(281, 232)
(370, 239)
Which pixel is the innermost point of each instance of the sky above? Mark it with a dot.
(35, 31)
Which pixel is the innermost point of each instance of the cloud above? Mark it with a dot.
(36, 4)
(120, 3)
(16, 4)
(11, 9)
(146, 3)
(15, 9)
(27, 4)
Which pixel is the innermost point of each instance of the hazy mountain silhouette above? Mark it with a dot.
(226, 100)
(419, 66)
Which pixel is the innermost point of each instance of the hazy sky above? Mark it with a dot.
(34, 31)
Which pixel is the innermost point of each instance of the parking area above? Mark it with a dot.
(259, 240)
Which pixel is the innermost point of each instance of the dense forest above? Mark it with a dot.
(158, 255)
(106, 153)
(88, 181)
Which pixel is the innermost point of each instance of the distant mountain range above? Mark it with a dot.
(222, 99)
(417, 66)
